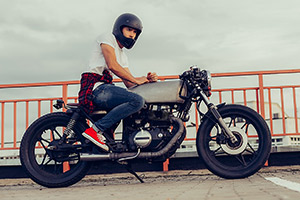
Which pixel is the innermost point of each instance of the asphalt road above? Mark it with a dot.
(268, 183)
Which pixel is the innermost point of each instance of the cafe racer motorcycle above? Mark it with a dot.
(233, 141)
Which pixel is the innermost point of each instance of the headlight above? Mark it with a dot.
(206, 84)
(208, 79)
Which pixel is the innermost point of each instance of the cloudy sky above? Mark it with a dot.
(51, 40)
(43, 40)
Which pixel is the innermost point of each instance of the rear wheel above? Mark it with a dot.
(48, 162)
(242, 158)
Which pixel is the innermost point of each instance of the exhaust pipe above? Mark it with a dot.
(93, 157)
(130, 155)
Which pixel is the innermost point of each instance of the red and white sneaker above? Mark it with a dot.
(96, 137)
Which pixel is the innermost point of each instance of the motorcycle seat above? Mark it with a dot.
(97, 112)
(73, 104)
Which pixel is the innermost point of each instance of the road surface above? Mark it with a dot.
(268, 183)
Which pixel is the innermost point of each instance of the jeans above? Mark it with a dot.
(119, 101)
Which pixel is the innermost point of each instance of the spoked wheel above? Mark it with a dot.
(48, 161)
(242, 158)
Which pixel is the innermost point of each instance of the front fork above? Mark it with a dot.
(219, 118)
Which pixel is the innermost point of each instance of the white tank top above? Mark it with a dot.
(97, 62)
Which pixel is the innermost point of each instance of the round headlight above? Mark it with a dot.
(208, 79)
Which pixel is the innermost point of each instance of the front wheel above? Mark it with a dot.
(48, 161)
(243, 158)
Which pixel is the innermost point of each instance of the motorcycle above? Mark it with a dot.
(233, 141)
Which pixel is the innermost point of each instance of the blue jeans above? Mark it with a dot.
(119, 101)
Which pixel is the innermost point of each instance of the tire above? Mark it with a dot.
(35, 157)
(234, 161)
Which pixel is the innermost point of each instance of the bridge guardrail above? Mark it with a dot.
(18, 113)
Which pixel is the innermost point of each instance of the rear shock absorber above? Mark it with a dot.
(70, 126)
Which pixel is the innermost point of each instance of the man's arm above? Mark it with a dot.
(130, 84)
(117, 69)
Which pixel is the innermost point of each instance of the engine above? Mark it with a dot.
(149, 130)
(148, 138)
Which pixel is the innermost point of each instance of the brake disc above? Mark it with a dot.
(240, 145)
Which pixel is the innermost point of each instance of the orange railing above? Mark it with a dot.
(18, 113)
(261, 98)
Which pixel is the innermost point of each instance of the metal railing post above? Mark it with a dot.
(282, 111)
(2, 126)
(27, 114)
(261, 95)
(65, 94)
(295, 110)
(270, 111)
(15, 124)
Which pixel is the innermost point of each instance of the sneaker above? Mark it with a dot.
(96, 137)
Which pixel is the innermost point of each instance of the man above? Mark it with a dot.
(108, 57)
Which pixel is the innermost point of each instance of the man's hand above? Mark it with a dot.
(152, 77)
(142, 80)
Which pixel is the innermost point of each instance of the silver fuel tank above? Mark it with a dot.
(161, 92)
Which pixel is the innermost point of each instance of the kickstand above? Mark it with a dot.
(131, 171)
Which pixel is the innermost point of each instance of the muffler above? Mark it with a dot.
(93, 157)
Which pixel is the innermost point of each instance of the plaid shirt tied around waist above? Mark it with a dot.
(87, 83)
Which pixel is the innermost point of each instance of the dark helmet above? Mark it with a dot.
(128, 20)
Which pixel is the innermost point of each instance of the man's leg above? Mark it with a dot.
(121, 104)
(119, 101)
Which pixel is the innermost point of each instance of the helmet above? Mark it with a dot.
(128, 20)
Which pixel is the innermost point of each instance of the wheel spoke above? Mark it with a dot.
(241, 159)
(55, 167)
(57, 133)
(253, 151)
(42, 139)
(47, 162)
(230, 122)
(245, 124)
(44, 158)
(247, 128)
(215, 152)
(58, 167)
